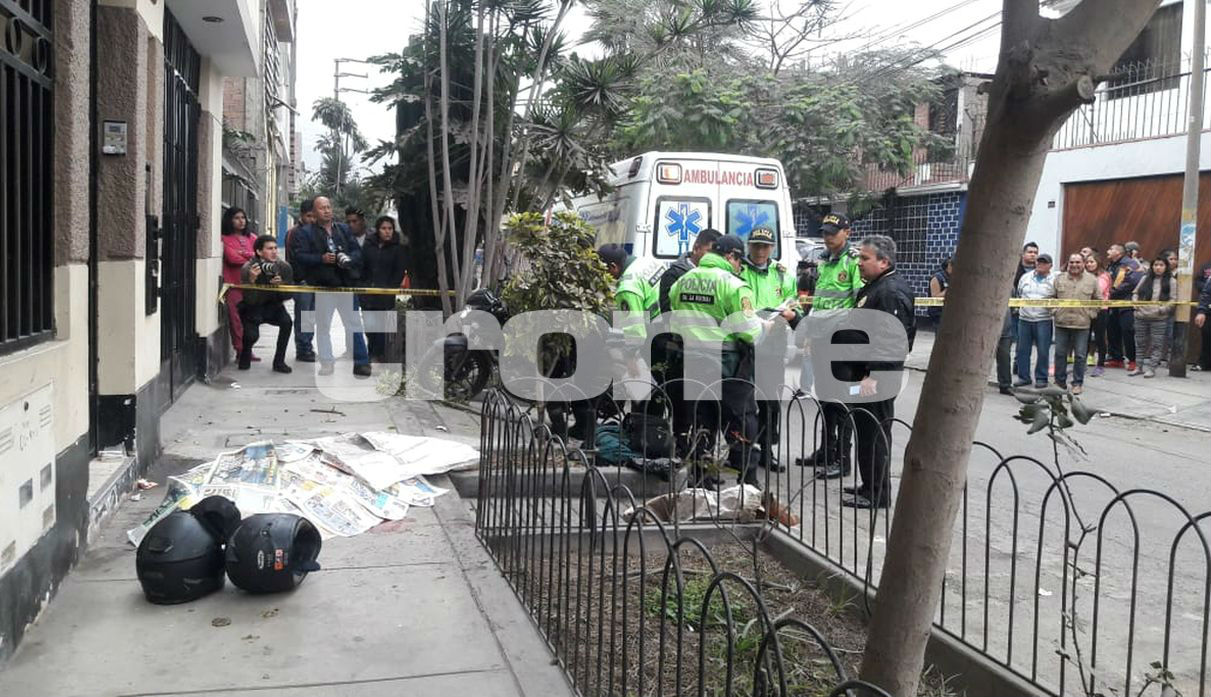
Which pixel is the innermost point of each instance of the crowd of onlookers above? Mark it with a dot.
(1137, 338)
(322, 252)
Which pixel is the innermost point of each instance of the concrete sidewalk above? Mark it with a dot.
(414, 607)
(1185, 403)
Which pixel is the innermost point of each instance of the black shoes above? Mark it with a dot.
(362, 370)
(837, 470)
(772, 464)
(305, 356)
(281, 367)
(813, 460)
(863, 501)
(1007, 391)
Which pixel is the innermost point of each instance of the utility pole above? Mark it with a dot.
(1186, 237)
(337, 136)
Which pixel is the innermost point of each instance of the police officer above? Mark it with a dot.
(774, 294)
(667, 349)
(711, 293)
(885, 291)
(638, 288)
(838, 281)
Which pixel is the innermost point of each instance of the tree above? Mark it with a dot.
(343, 141)
(1047, 68)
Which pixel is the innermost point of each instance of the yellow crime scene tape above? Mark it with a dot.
(919, 302)
(322, 289)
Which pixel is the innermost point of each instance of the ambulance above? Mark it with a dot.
(662, 200)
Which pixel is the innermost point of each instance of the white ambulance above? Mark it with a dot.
(662, 200)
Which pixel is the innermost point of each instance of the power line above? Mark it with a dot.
(897, 30)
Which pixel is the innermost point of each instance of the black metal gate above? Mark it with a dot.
(26, 123)
(179, 231)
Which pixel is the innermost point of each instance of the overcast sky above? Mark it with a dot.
(361, 28)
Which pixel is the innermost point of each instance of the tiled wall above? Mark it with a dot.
(926, 230)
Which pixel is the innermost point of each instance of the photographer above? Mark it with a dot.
(330, 257)
(261, 307)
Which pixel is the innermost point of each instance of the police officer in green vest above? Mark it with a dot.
(774, 294)
(839, 280)
(638, 288)
(711, 293)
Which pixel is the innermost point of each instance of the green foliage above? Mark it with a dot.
(559, 270)
(1053, 409)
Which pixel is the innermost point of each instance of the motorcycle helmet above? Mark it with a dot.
(179, 560)
(219, 514)
(272, 552)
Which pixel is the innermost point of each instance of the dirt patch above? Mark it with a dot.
(620, 628)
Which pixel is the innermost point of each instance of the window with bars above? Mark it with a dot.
(26, 123)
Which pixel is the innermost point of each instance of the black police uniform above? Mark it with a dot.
(887, 293)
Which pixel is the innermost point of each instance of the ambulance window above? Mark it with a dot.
(678, 222)
(745, 214)
(609, 218)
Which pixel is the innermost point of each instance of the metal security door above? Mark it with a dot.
(179, 228)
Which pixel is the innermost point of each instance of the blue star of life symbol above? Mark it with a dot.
(683, 223)
(750, 218)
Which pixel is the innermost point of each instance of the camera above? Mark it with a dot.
(268, 271)
(343, 260)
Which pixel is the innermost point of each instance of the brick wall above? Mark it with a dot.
(235, 113)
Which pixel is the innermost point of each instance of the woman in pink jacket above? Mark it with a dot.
(237, 249)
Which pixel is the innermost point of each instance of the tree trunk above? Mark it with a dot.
(1046, 70)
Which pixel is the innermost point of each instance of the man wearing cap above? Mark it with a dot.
(839, 279)
(775, 293)
(1034, 323)
(711, 293)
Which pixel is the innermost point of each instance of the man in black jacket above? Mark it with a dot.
(886, 291)
(1202, 289)
(328, 256)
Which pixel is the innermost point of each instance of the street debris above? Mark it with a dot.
(144, 485)
(220, 622)
(344, 485)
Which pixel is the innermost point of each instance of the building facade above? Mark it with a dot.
(1114, 172)
(111, 174)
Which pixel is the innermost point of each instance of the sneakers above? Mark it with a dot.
(1131, 365)
(1097, 372)
(1149, 372)
(1114, 364)
(1135, 371)
(327, 368)
(1077, 389)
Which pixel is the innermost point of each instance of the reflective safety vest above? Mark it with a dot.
(712, 292)
(839, 280)
(639, 286)
(772, 287)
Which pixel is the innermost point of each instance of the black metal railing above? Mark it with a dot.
(1057, 575)
(628, 604)
(26, 175)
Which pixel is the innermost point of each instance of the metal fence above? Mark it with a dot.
(1058, 575)
(608, 586)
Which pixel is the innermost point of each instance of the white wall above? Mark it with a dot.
(130, 338)
(1126, 160)
(63, 361)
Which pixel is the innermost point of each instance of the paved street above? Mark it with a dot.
(414, 607)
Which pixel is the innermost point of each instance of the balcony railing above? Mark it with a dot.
(1150, 99)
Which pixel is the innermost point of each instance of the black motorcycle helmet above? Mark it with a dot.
(272, 552)
(179, 560)
(219, 514)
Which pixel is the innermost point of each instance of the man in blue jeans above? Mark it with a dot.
(1034, 323)
(331, 258)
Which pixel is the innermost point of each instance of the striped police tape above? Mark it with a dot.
(920, 302)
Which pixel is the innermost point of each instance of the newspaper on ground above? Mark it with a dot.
(344, 484)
